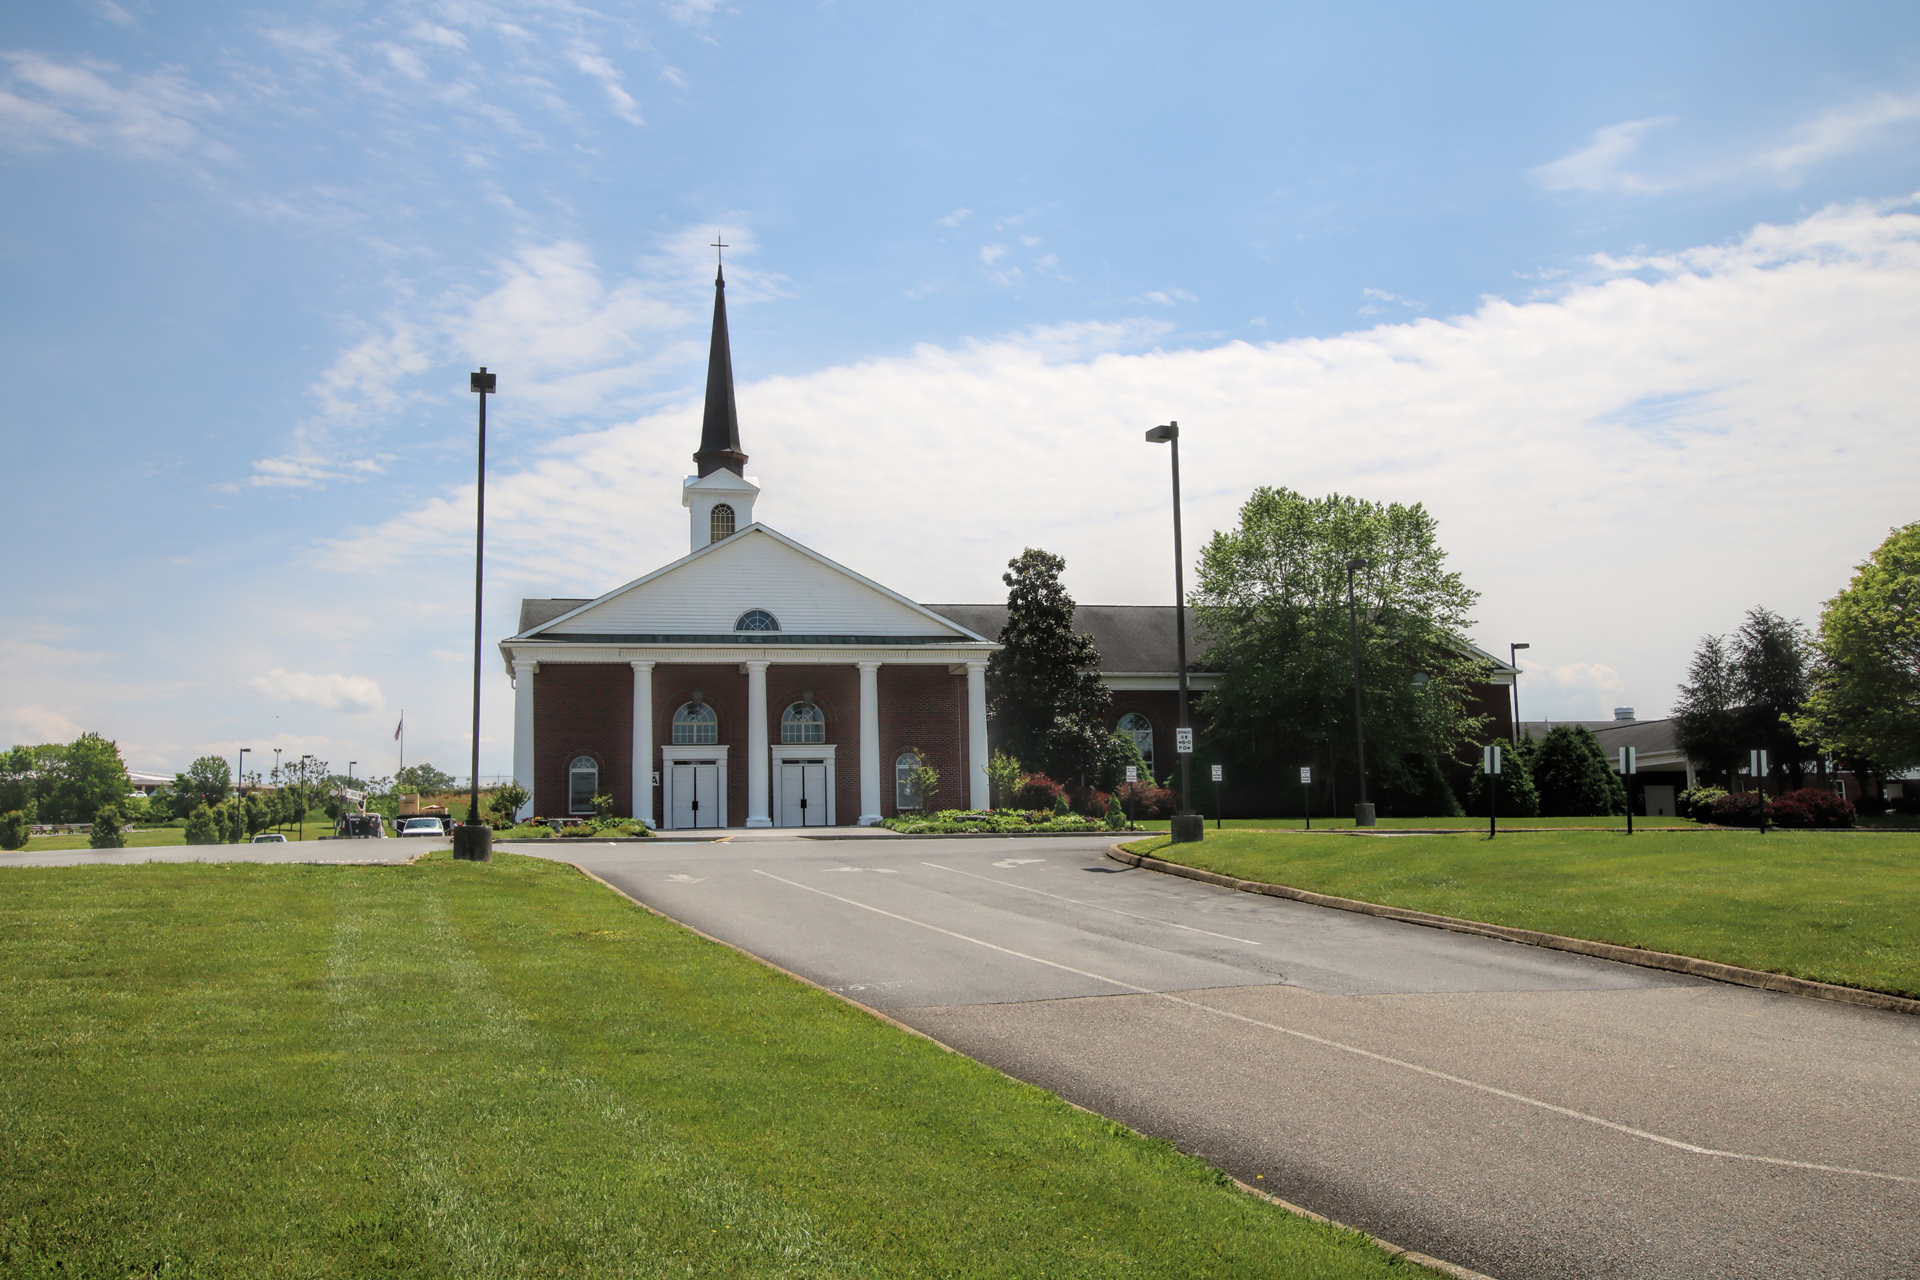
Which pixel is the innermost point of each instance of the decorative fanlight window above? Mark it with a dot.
(1140, 729)
(583, 783)
(720, 524)
(802, 723)
(695, 725)
(756, 620)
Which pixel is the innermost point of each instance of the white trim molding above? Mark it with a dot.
(796, 753)
(670, 756)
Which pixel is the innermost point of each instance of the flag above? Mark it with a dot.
(397, 729)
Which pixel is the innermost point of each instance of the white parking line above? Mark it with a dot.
(1096, 906)
(1462, 1081)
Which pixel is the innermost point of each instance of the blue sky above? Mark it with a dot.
(1621, 294)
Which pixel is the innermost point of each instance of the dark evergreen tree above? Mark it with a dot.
(1419, 790)
(13, 830)
(1771, 657)
(1517, 796)
(1044, 696)
(1706, 718)
(105, 832)
(1573, 777)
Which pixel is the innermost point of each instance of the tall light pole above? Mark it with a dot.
(1362, 812)
(1513, 654)
(1186, 825)
(304, 797)
(473, 841)
(239, 792)
(276, 765)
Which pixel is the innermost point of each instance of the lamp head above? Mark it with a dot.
(1519, 646)
(1358, 562)
(1162, 435)
(482, 381)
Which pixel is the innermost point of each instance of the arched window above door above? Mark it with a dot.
(801, 723)
(1140, 729)
(583, 784)
(695, 725)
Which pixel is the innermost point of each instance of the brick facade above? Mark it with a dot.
(923, 709)
(582, 709)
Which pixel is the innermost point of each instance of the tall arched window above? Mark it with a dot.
(1140, 729)
(906, 792)
(695, 725)
(802, 723)
(720, 524)
(756, 620)
(583, 784)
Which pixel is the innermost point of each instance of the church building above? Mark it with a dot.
(756, 683)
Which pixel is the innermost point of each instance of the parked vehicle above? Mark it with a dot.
(421, 827)
(269, 837)
(360, 826)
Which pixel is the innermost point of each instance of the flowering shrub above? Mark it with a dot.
(1741, 809)
(1037, 791)
(1811, 807)
(1144, 800)
(953, 821)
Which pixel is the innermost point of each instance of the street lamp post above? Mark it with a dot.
(303, 796)
(473, 841)
(239, 789)
(1186, 825)
(1513, 655)
(1362, 812)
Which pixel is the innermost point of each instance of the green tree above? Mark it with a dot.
(507, 801)
(1863, 704)
(1044, 695)
(1706, 719)
(202, 826)
(105, 832)
(259, 812)
(1272, 600)
(207, 781)
(1572, 776)
(1517, 796)
(1771, 656)
(1003, 777)
(13, 830)
(1420, 791)
(422, 779)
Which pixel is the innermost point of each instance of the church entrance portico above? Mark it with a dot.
(804, 785)
(693, 783)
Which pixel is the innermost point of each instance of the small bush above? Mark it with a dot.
(508, 801)
(1036, 791)
(202, 828)
(1740, 809)
(105, 832)
(1145, 800)
(1811, 807)
(1116, 817)
(1697, 802)
(13, 830)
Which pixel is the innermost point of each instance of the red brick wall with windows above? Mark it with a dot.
(922, 708)
(582, 708)
(725, 690)
(836, 691)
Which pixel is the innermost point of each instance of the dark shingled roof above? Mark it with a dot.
(535, 612)
(1130, 637)
(1642, 735)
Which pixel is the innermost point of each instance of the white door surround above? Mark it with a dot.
(812, 768)
(682, 786)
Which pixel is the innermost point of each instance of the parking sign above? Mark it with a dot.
(1133, 773)
(1183, 741)
(1216, 773)
(1306, 775)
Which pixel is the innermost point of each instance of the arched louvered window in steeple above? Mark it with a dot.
(721, 523)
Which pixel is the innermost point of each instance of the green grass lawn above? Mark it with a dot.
(459, 1070)
(1463, 824)
(1833, 906)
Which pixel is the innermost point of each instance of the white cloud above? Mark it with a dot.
(328, 692)
(1617, 469)
(1572, 691)
(992, 253)
(48, 105)
(1603, 164)
(954, 219)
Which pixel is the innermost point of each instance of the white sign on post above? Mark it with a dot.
(1490, 761)
(1757, 763)
(1133, 773)
(1629, 761)
(1216, 773)
(1306, 775)
(1183, 741)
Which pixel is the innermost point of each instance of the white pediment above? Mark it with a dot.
(705, 593)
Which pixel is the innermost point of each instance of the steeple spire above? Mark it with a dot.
(720, 428)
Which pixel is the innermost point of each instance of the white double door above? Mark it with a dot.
(695, 788)
(803, 793)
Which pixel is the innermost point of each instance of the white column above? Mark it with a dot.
(643, 741)
(523, 729)
(869, 744)
(978, 796)
(758, 761)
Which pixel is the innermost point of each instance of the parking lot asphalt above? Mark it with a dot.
(1527, 1113)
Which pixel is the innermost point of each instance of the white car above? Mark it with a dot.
(422, 827)
(269, 837)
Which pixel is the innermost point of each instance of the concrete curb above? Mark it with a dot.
(1407, 1255)
(1666, 960)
